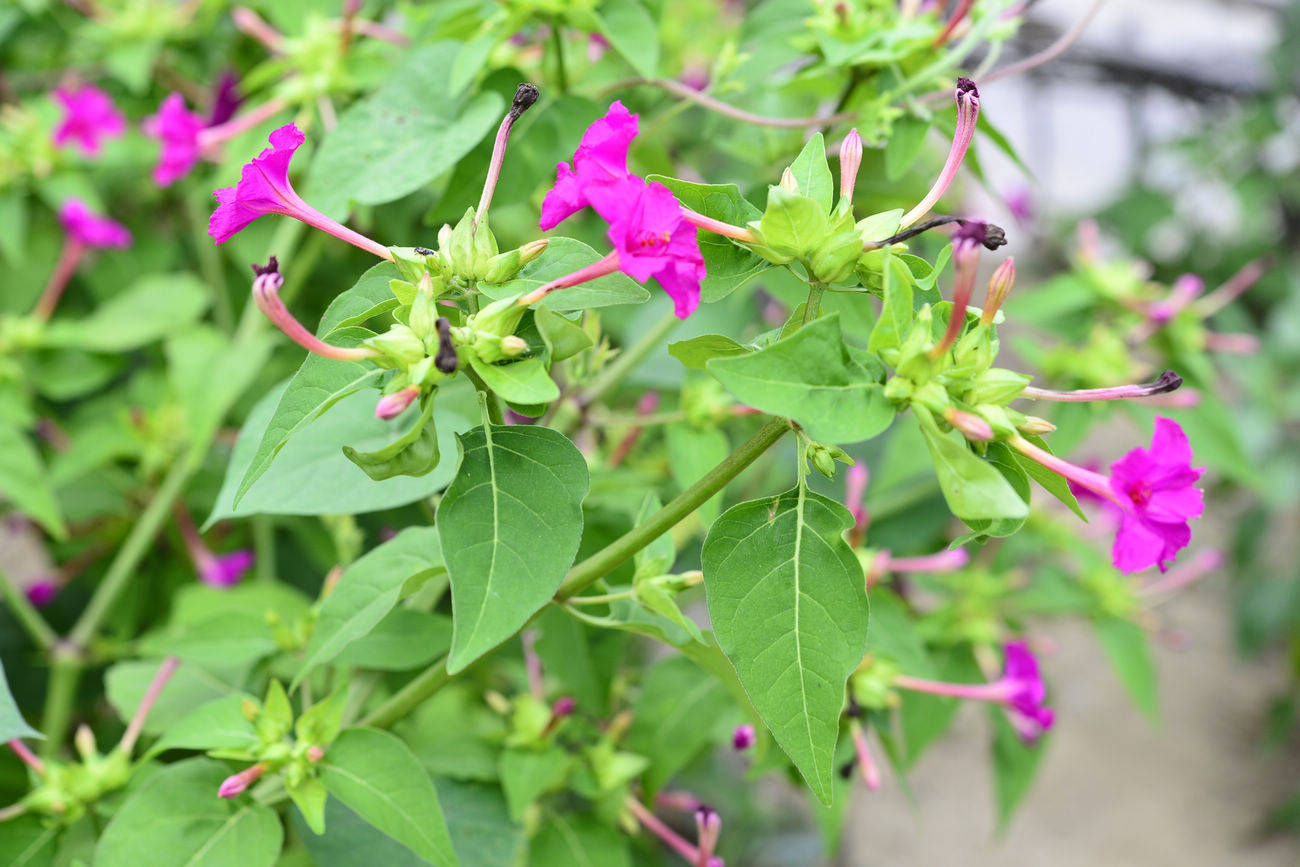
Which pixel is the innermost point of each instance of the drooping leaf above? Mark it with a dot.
(973, 488)
(811, 377)
(1129, 653)
(201, 829)
(787, 599)
(696, 352)
(510, 525)
(376, 775)
(368, 590)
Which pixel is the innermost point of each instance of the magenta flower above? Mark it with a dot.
(225, 570)
(1020, 690)
(264, 188)
(1156, 492)
(42, 591)
(599, 167)
(177, 129)
(1152, 490)
(89, 117)
(88, 229)
(654, 240)
(743, 737)
(225, 99)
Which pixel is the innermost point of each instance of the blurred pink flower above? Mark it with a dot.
(87, 228)
(177, 129)
(89, 117)
(225, 570)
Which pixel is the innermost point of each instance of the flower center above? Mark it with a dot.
(650, 241)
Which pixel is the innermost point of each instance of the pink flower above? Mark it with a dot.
(225, 570)
(1024, 685)
(89, 117)
(87, 228)
(1155, 490)
(654, 240)
(42, 591)
(264, 188)
(177, 129)
(225, 99)
(599, 167)
(743, 737)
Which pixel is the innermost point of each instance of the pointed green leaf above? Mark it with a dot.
(377, 775)
(524, 382)
(215, 725)
(510, 525)
(180, 822)
(813, 174)
(811, 377)
(12, 724)
(367, 591)
(578, 841)
(676, 716)
(973, 487)
(25, 483)
(787, 599)
(697, 351)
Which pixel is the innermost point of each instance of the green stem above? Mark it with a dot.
(122, 569)
(557, 46)
(628, 360)
(812, 307)
(264, 547)
(432, 679)
(60, 696)
(488, 396)
(603, 599)
(28, 617)
(210, 263)
(611, 556)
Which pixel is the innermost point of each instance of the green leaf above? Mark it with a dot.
(223, 640)
(219, 724)
(973, 488)
(312, 476)
(793, 225)
(310, 796)
(415, 453)
(729, 265)
(896, 314)
(905, 140)
(657, 557)
(178, 820)
(1129, 653)
(633, 32)
(12, 724)
(676, 718)
(1015, 765)
(404, 639)
(1002, 458)
(696, 352)
(578, 841)
(510, 525)
(524, 382)
(787, 599)
(564, 256)
(692, 452)
(408, 132)
(376, 775)
(208, 373)
(813, 174)
(1052, 482)
(367, 591)
(150, 309)
(27, 841)
(25, 483)
(563, 337)
(811, 377)
(348, 840)
(526, 775)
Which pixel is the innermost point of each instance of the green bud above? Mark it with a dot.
(410, 264)
(1035, 426)
(899, 389)
(424, 372)
(998, 419)
(444, 241)
(399, 343)
(933, 397)
(835, 259)
(996, 385)
(513, 346)
(788, 182)
(793, 225)
(498, 318)
(423, 312)
(505, 266)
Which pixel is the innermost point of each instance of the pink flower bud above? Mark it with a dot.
(563, 706)
(743, 737)
(971, 426)
(850, 162)
(235, 785)
(390, 406)
(1000, 283)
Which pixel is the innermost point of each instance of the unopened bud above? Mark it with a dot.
(1004, 277)
(1036, 426)
(788, 182)
(971, 426)
(822, 460)
(84, 740)
(530, 251)
(235, 785)
(850, 162)
(315, 753)
(563, 706)
(400, 343)
(743, 737)
(996, 385)
(250, 710)
(513, 346)
(444, 238)
(423, 313)
(498, 702)
(390, 406)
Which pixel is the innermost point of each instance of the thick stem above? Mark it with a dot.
(557, 46)
(28, 617)
(432, 679)
(69, 259)
(813, 306)
(605, 560)
(60, 696)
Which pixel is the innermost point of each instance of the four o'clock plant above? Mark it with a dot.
(460, 499)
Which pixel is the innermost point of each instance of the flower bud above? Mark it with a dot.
(390, 406)
(999, 287)
(498, 702)
(788, 182)
(822, 460)
(513, 346)
(743, 737)
(970, 425)
(530, 251)
(235, 785)
(423, 310)
(444, 239)
(850, 162)
(84, 740)
(836, 258)
(250, 710)
(400, 343)
(315, 753)
(1035, 426)
(997, 385)
(563, 706)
